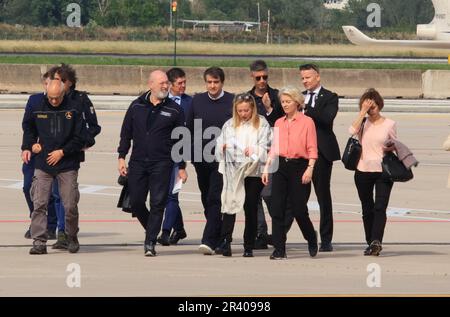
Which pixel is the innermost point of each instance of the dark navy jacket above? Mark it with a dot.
(55, 128)
(89, 115)
(277, 110)
(150, 127)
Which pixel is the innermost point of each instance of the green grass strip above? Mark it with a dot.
(210, 62)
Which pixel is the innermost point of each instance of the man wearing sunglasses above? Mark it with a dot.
(268, 105)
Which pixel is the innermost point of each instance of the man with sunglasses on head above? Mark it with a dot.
(268, 105)
(322, 106)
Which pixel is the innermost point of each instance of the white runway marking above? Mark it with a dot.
(392, 212)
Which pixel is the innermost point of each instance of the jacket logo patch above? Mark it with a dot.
(68, 115)
(42, 116)
(167, 114)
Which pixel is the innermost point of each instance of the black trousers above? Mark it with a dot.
(322, 183)
(322, 187)
(287, 183)
(373, 207)
(253, 187)
(153, 177)
(210, 183)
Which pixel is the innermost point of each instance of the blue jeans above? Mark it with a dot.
(173, 218)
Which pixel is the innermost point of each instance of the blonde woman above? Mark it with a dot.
(241, 150)
(295, 146)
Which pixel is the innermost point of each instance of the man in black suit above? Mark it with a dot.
(322, 107)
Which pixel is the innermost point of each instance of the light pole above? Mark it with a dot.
(259, 19)
(174, 11)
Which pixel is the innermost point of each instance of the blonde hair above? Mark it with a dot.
(245, 98)
(294, 93)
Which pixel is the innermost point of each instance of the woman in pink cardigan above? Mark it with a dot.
(372, 133)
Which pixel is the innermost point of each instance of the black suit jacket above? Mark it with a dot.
(323, 114)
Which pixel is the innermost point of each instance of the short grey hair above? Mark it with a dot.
(294, 93)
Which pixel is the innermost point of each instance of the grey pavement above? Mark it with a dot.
(415, 259)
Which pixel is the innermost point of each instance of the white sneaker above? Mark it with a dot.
(205, 249)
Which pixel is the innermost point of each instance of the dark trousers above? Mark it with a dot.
(287, 184)
(373, 208)
(322, 187)
(322, 183)
(173, 218)
(210, 183)
(253, 187)
(153, 177)
(54, 203)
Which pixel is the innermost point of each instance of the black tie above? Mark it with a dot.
(310, 101)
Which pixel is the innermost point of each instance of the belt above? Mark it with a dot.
(296, 160)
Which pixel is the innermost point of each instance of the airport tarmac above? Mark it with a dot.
(415, 259)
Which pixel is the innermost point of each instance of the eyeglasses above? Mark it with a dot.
(258, 78)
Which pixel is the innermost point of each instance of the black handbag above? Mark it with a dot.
(124, 199)
(394, 170)
(352, 152)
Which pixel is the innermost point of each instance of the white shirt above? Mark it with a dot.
(308, 96)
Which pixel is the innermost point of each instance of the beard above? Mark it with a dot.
(162, 94)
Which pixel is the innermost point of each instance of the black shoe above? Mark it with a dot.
(261, 242)
(313, 246)
(38, 249)
(72, 244)
(61, 243)
(326, 247)
(28, 234)
(227, 249)
(375, 248)
(221, 247)
(177, 236)
(149, 249)
(51, 235)
(278, 255)
(248, 254)
(164, 238)
(269, 239)
(367, 251)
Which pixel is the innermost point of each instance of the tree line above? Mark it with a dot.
(398, 15)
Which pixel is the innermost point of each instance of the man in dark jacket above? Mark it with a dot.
(149, 123)
(173, 218)
(68, 76)
(54, 205)
(322, 106)
(55, 132)
(209, 111)
(268, 105)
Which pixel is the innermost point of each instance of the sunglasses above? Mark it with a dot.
(244, 97)
(258, 78)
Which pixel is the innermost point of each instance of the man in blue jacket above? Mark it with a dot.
(55, 206)
(173, 218)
